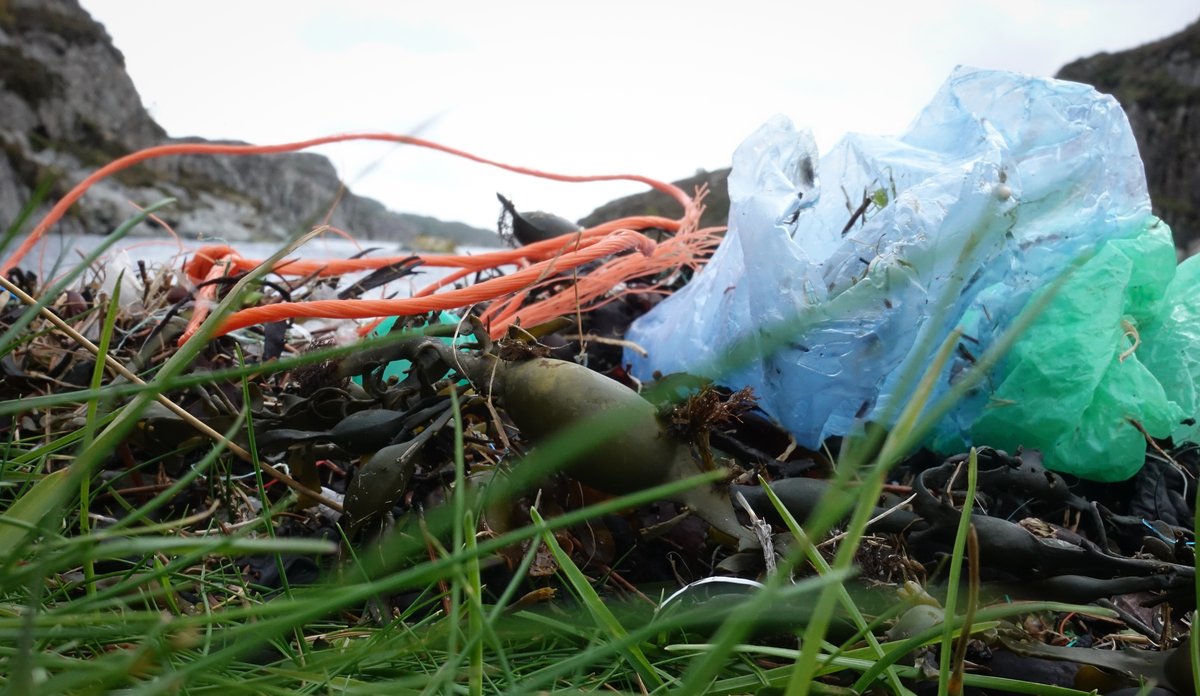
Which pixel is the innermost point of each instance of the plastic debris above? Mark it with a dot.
(997, 187)
(398, 369)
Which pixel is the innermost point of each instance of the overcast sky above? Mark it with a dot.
(652, 88)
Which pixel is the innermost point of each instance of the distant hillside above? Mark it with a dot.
(716, 210)
(457, 232)
(1158, 84)
(67, 106)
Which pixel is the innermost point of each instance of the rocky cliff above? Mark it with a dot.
(67, 106)
(1158, 84)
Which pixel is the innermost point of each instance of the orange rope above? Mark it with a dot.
(200, 267)
(683, 249)
(540, 263)
(489, 289)
(206, 256)
(686, 248)
(157, 151)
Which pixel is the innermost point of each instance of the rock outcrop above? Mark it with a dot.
(67, 106)
(716, 203)
(1158, 85)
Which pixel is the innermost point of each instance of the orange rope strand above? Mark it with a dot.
(157, 151)
(198, 266)
(540, 265)
(489, 289)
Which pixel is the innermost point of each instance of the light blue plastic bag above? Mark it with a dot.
(996, 187)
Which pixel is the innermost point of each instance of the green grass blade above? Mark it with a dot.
(474, 584)
(143, 512)
(767, 597)
(843, 596)
(90, 425)
(1194, 642)
(600, 613)
(219, 545)
(956, 561)
(40, 193)
(269, 620)
(779, 675)
(704, 669)
(805, 667)
(983, 616)
(25, 516)
(123, 391)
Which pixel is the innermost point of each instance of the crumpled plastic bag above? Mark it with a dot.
(834, 277)
(1074, 384)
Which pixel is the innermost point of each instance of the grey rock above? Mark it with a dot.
(1158, 85)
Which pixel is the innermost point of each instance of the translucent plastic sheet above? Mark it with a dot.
(834, 277)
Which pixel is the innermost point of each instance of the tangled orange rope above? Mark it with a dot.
(539, 264)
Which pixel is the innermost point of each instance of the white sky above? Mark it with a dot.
(651, 88)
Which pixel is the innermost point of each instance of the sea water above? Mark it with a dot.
(56, 253)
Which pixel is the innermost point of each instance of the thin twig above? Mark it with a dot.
(787, 452)
(1150, 440)
(1132, 332)
(873, 520)
(623, 343)
(762, 531)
